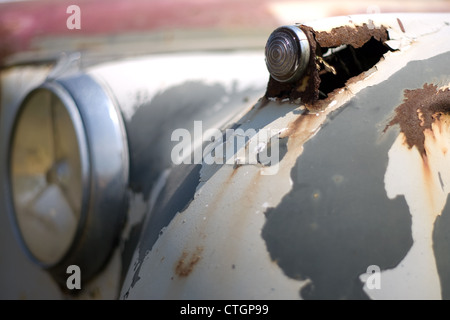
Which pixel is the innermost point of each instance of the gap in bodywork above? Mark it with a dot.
(338, 65)
(336, 57)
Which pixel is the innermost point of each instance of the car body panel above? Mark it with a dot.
(347, 192)
(344, 197)
(150, 114)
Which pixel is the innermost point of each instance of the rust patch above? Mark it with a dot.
(302, 128)
(187, 262)
(419, 110)
(353, 36)
(307, 87)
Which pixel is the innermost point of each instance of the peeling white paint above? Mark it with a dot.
(234, 261)
(416, 178)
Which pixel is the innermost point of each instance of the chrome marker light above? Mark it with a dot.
(68, 171)
(287, 53)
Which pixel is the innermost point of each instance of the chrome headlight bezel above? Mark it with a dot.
(104, 159)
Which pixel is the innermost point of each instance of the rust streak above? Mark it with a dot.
(187, 262)
(302, 128)
(428, 175)
(400, 24)
(430, 165)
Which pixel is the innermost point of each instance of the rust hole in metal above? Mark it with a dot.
(335, 58)
(348, 62)
(420, 108)
(186, 263)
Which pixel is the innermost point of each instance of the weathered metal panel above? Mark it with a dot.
(346, 195)
(360, 179)
(153, 100)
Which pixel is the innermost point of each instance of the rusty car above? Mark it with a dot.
(309, 166)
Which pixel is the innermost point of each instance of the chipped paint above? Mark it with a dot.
(202, 237)
(233, 206)
(207, 89)
(212, 213)
(354, 31)
(362, 166)
(424, 182)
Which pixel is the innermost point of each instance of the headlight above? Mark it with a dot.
(49, 171)
(68, 170)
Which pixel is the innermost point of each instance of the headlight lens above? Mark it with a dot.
(46, 174)
(67, 174)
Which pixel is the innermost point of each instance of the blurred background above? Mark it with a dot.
(119, 27)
